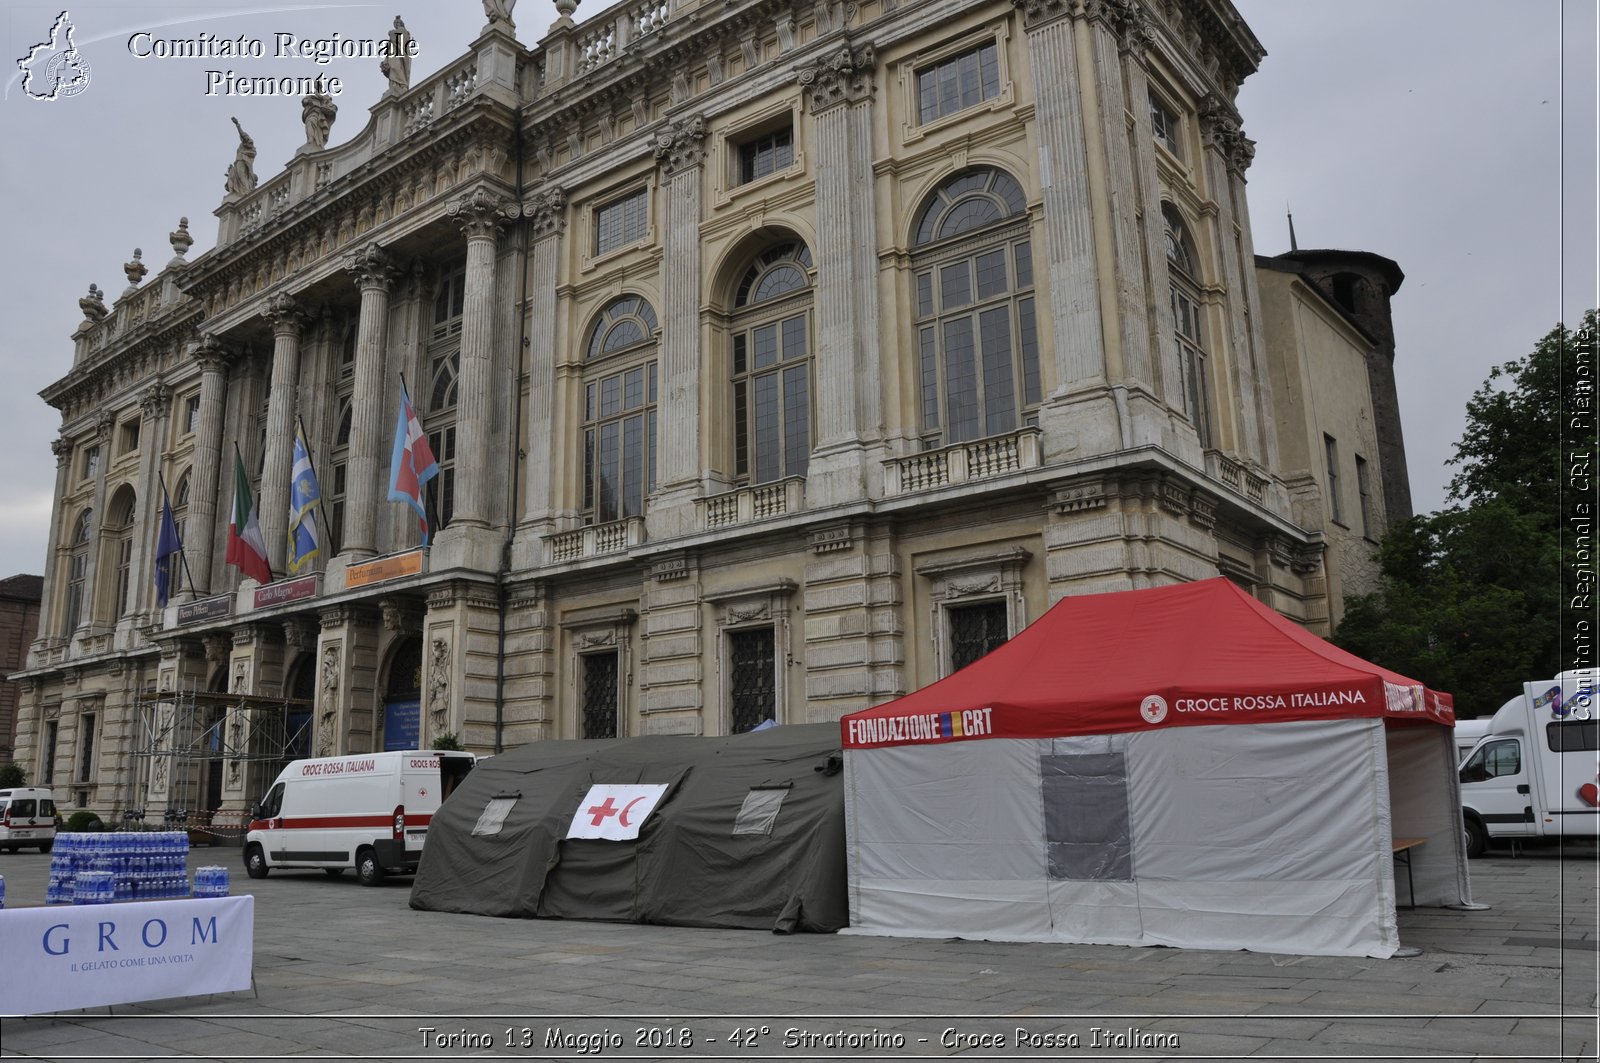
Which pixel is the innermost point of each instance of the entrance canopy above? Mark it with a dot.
(1192, 654)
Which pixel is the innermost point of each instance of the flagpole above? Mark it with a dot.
(323, 525)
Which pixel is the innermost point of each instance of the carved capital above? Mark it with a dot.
(547, 210)
(1219, 126)
(218, 645)
(211, 354)
(155, 400)
(298, 634)
(61, 447)
(843, 76)
(1037, 13)
(286, 315)
(372, 267)
(683, 146)
(1126, 19)
(481, 213)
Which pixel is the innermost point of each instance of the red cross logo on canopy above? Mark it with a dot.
(615, 812)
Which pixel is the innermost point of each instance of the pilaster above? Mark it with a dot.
(529, 695)
(200, 550)
(374, 274)
(460, 645)
(154, 404)
(546, 216)
(90, 618)
(680, 151)
(671, 648)
(346, 698)
(854, 648)
(55, 554)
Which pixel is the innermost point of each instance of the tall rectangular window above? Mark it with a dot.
(1164, 126)
(86, 748)
(77, 572)
(621, 222)
(1363, 490)
(959, 82)
(191, 414)
(119, 604)
(1335, 510)
(753, 690)
(91, 463)
(48, 768)
(600, 700)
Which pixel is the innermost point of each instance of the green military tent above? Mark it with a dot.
(749, 832)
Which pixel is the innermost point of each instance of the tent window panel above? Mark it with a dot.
(759, 812)
(1087, 834)
(494, 816)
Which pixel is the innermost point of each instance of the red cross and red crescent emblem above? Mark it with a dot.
(615, 812)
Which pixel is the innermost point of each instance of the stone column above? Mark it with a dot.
(89, 616)
(200, 547)
(374, 274)
(155, 404)
(847, 388)
(287, 320)
(546, 214)
(1091, 424)
(55, 570)
(481, 214)
(680, 151)
(1227, 152)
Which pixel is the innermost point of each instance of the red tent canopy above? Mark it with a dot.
(1192, 653)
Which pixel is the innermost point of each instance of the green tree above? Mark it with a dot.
(12, 774)
(1470, 598)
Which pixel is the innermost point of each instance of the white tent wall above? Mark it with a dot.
(1425, 802)
(946, 839)
(1273, 837)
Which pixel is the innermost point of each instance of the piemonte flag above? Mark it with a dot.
(247, 550)
(411, 464)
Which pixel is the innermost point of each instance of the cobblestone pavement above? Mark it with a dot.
(346, 971)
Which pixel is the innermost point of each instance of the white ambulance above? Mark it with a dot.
(369, 811)
(1536, 774)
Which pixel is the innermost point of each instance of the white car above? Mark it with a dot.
(27, 817)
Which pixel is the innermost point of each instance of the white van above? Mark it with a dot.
(1468, 733)
(369, 811)
(1536, 773)
(27, 817)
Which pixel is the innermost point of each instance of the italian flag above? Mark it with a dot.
(246, 549)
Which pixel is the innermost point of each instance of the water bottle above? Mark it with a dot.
(2, 892)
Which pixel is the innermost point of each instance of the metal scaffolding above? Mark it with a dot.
(194, 745)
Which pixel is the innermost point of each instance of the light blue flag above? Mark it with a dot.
(305, 540)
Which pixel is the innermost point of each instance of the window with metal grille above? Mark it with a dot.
(975, 630)
(621, 222)
(772, 366)
(766, 154)
(599, 695)
(51, 730)
(959, 82)
(86, 748)
(978, 353)
(752, 682)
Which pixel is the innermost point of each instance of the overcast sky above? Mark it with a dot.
(1456, 137)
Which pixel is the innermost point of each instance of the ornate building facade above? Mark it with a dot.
(779, 358)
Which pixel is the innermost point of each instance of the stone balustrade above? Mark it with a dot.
(747, 504)
(594, 541)
(970, 462)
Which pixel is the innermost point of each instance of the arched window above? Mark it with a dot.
(180, 520)
(119, 532)
(619, 411)
(78, 568)
(444, 370)
(977, 346)
(1186, 317)
(772, 365)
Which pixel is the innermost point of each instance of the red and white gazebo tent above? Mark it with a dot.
(1177, 766)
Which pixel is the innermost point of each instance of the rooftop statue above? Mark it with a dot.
(396, 66)
(241, 176)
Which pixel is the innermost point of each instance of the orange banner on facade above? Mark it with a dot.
(384, 568)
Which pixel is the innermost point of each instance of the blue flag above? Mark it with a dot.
(305, 540)
(169, 551)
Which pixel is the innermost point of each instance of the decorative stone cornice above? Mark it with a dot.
(546, 209)
(1219, 127)
(683, 146)
(1037, 13)
(845, 75)
(156, 400)
(371, 267)
(286, 315)
(481, 214)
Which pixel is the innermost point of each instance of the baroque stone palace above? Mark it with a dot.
(780, 358)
